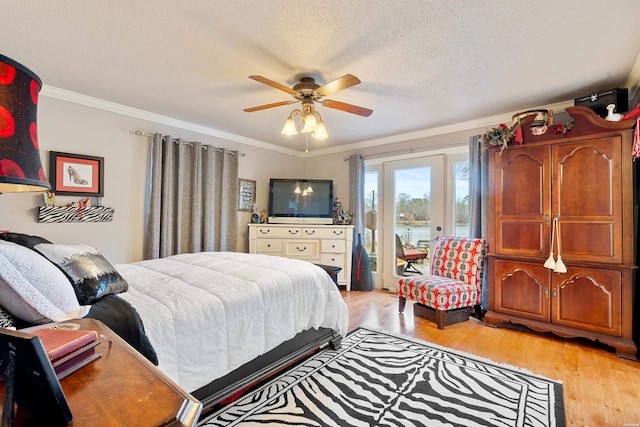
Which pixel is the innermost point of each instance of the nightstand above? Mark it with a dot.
(122, 388)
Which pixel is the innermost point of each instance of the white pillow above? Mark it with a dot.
(34, 290)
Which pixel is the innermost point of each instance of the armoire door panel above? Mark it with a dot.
(587, 240)
(523, 181)
(522, 201)
(523, 289)
(525, 238)
(588, 299)
(587, 196)
(585, 178)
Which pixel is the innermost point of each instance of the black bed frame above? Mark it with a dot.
(287, 353)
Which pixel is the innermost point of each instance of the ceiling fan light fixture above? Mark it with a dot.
(310, 123)
(290, 126)
(320, 133)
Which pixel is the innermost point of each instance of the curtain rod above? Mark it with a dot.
(204, 146)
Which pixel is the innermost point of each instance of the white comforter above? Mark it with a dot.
(208, 313)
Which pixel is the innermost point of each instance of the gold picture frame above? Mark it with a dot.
(246, 194)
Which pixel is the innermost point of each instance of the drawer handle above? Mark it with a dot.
(304, 248)
(310, 232)
(337, 232)
(264, 231)
(333, 246)
(293, 231)
(269, 245)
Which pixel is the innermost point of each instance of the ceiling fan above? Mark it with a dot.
(309, 92)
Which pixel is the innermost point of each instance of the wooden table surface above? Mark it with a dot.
(122, 388)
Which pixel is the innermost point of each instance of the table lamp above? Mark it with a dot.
(20, 165)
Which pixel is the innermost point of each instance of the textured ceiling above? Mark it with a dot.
(423, 64)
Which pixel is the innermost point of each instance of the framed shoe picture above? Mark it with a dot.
(76, 174)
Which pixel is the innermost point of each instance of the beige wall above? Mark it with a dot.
(71, 127)
(336, 166)
(74, 128)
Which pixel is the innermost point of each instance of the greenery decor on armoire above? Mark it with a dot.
(584, 179)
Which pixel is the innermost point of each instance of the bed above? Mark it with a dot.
(215, 322)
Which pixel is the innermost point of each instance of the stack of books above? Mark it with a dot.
(68, 350)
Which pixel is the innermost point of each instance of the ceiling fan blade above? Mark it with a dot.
(341, 83)
(349, 108)
(271, 83)
(264, 107)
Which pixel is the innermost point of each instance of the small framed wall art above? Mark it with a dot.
(247, 194)
(76, 174)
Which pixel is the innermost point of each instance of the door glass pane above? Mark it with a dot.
(371, 236)
(413, 211)
(461, 198)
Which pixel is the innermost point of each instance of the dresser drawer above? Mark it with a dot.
(301, 249)
(331, 233)
(335, 260)
(264, 246)
(334, 246)
(279, 232)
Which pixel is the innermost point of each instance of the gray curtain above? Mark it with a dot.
(356, 193)
(193, 198)
(479, 200)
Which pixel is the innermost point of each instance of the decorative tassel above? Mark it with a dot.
(550, 262)
(560, 267)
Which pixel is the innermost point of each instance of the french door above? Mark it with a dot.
(413, 209)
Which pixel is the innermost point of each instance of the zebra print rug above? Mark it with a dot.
(379, 379)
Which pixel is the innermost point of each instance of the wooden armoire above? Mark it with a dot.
(583, 178)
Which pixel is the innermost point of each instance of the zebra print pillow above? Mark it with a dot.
(91, 275)
(6, 320)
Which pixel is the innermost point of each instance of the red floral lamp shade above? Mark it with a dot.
(20, 166)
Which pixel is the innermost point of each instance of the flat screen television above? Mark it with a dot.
(300, 201)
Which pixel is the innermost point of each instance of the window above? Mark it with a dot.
(460, 198)
(371, 198)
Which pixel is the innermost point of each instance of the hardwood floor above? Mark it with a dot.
(599, 388)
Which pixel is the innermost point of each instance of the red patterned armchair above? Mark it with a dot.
(453, 288)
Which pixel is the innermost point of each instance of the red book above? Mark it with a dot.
(60, 342)
(73, 361)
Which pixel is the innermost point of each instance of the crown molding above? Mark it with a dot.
(101, 104)
(89, 101)
(441, 130)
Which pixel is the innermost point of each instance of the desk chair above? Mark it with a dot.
(409, 256)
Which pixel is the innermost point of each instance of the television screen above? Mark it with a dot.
(307, 200)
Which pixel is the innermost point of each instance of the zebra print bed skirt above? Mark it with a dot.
(378, 379)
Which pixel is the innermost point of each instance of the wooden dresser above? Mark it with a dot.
(584, 179)
(122, 388)
(320, 244)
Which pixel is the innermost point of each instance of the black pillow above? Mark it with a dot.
(91, 275)
(25, 240)
(124, 320)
